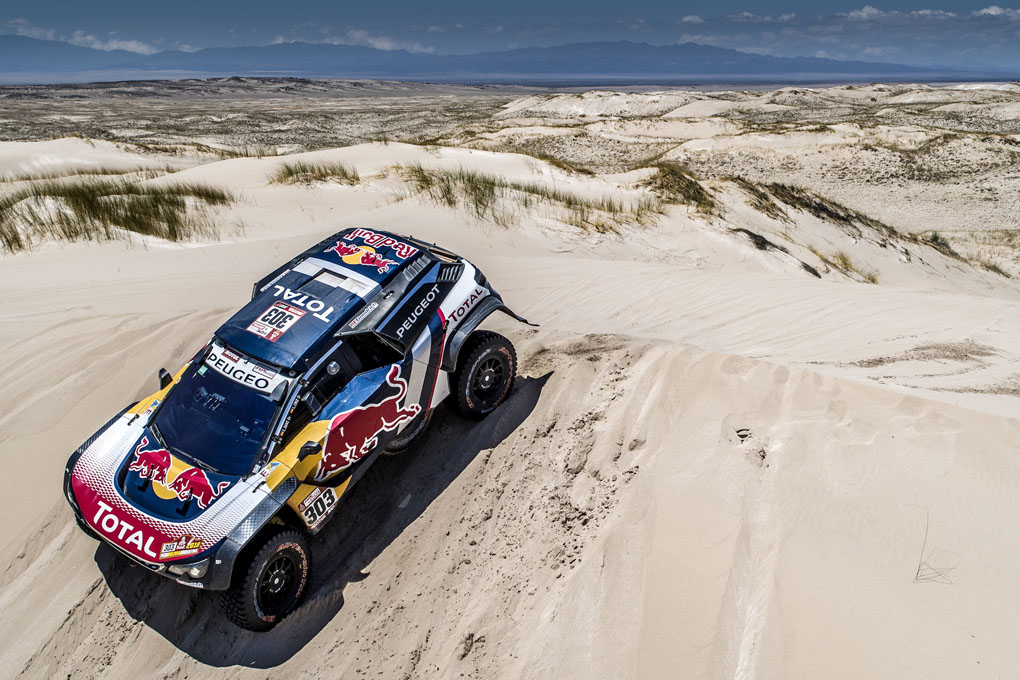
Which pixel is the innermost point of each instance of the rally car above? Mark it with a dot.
(341, 355)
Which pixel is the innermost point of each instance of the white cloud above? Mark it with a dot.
(934, 13)
(692, 19)
(436, 29)
(83, 39)
(996, 11)
(26, 29)
(864, 13)
(357, 36)
(786, 17)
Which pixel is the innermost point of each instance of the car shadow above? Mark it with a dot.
(392, 495)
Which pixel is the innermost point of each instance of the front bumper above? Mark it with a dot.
(220, 558)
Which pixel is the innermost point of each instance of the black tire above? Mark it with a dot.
(271, 583)
(486, 369)
(410, 435)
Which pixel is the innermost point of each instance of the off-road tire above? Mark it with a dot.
(410, 435)
(250, 601)
(485, 373)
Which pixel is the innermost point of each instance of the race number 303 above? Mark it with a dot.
(317, 506)
(275, 321)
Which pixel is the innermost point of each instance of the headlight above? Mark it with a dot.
(194, 569)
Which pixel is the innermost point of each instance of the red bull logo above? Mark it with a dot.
(194, 483)
(152, 464)
(155, 464)
(355, 433)
(355, 254)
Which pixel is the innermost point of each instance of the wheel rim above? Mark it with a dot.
(487, 382)
(278, 584)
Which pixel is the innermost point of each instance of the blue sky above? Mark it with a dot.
(907, 31)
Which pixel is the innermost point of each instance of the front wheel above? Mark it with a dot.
(410, 435)
(271, 584)
(485, 375)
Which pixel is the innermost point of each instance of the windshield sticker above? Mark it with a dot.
(275, 321)
(242, 371)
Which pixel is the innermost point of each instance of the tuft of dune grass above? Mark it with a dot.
(94, 209)
(841, 261)
(141, 173)
(307, 172)
(481, 194)
(675, 184)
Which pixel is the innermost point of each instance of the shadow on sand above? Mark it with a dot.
(394, 493)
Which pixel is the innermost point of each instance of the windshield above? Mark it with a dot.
(214, 420)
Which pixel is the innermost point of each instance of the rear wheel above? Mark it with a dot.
(271, 584)
(485, 374)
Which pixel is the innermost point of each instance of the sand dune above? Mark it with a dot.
(715, 463)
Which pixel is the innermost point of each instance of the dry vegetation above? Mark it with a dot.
(96, 209)
(674, 184)
(307, 172)
(491, 196)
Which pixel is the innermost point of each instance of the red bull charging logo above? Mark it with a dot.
(155, 464)
(355, 254)
(353, 434)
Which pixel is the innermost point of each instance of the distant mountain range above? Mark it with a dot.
(22, 55)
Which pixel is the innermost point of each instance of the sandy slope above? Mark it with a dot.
(714, 464)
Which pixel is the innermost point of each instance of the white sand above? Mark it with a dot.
(714, 465)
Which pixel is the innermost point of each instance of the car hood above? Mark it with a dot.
(120, 483)
(163, 485)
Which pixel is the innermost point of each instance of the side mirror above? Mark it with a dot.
(164, 378)
(309, 449)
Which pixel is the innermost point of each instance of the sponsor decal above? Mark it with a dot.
(376, 240)
(268, 469)
(352, 253)
(314, 305)
(115, 527)
(317, 506)
(353, 434)
(275, 321)
(192, 482)
(151, 407)
(418, 310)
(183, 547)
(240, 370)
(457, 315)
(151, 464)
(361, 315)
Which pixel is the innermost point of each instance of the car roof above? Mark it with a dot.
(299, 309)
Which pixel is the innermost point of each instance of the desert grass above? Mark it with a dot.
(486, 195)
(543, 155)
(97, 209)
(760, 199)
(676, 184)
(307, 172)
(939, 243)
(138, 173)
(842, 262)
